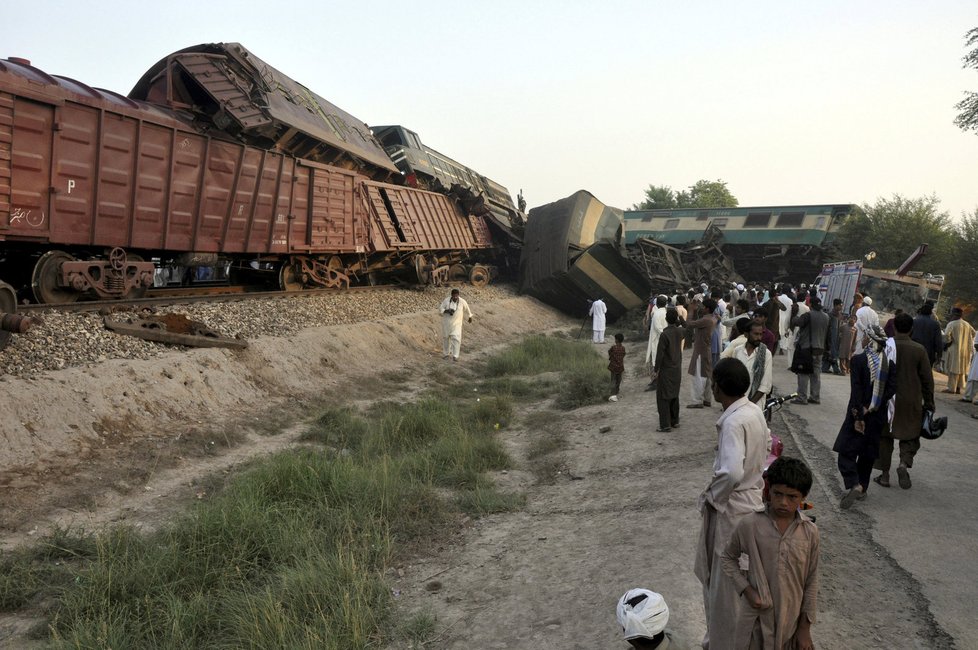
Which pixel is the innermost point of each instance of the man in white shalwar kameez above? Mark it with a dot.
(866, 319)
(743, 443)
(454, 310)
(784, 324)
(657, 323)
(597, 314)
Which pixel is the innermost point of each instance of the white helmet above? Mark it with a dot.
(642, 614)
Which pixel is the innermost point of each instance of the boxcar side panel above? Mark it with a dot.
(6, 140)
(73, 202)
(187, 160)
(223, 160)
(235, 236)
(116, 164)
(334, 221)
(30, 163)
(152, 180)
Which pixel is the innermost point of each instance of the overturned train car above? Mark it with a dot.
(572, 254)
(95, 185)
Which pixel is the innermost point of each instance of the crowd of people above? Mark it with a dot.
(752, 598)
(757, 553)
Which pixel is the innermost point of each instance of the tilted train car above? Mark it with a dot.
(769, 242)
(572, 254)
(94, 184)
(424, 167)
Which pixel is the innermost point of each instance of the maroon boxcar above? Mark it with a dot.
(93, 185)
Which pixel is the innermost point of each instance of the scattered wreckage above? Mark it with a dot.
(172, 329)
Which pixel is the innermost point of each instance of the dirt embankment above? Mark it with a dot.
(93, 442)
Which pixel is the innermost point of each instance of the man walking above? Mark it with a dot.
(957, 359)
(812, 333)
(667, 372)
(734, 491)
(453, 310)
(701, 363)
(865, 319)
(597, 314)
(914, 395)
(971, 388)
(927, 332)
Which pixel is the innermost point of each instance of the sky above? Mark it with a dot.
(789, 103)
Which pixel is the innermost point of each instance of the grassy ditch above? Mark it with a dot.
(292, 552)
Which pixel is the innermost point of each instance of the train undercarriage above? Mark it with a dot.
(67, 275)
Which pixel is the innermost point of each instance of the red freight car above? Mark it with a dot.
(93, 185)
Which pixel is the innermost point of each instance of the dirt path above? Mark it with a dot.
(135, 441)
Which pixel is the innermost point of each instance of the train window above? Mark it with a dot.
(720, 223)
(392, 138)
(820, 222)
(757, 220)
(671, 224)
(790, 220)
(702, 215)
(647, 219)
(413, 139)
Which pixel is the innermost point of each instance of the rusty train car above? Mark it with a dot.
(272, 179)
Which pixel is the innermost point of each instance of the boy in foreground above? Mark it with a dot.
(780, 582)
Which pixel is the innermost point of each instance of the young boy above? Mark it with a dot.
(781, 579)
(616, 364)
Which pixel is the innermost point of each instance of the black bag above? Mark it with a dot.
(802, 362)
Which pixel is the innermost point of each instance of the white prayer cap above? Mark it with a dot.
(867, 301)
(740, 287)
(642, 613)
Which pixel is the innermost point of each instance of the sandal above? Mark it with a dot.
(880, 481)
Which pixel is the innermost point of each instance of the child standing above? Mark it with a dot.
(845, 342)
(616, 365)
(780, 582)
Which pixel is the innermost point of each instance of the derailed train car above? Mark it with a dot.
(787, 243)
(572, 254)
(94, 184)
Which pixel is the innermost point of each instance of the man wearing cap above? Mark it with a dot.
(957, 358)
(865, 319)
(643, 615)
(914, 395)
(453, 311)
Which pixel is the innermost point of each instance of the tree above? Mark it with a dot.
(707, 194)
(894, 228)
(960, 277)
(704, 194)
(657, 197)
(967, 119)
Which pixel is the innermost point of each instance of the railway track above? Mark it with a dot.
(168, 297)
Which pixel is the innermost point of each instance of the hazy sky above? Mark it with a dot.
(789, 102)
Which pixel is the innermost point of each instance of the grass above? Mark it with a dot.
(583, 373)
(291, 551)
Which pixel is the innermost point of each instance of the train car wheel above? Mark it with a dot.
(479, 276)
(8, 299)
(422, 269)
(457, 273)
(45, 279)
(136, 292)
(287, 279)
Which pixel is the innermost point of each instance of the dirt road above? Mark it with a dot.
(897, 570)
